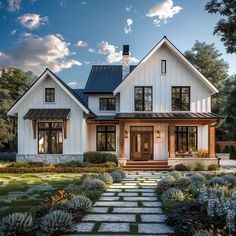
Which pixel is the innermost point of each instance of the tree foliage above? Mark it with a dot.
(225, 27)
(13, 83)
(207, 59)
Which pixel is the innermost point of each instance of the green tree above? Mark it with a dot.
(225, 27)
(13, 83)
(207, 59)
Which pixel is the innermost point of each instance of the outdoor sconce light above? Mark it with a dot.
(157, 134)
(126, 134)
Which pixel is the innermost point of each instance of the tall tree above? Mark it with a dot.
(207, 59)
(225, 27)
(13, 83)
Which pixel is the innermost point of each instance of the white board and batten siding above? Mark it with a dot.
(75, 143)
(178, 74)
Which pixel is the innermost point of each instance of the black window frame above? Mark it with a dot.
(163, 72)
(50, 129)
(108, 105)
(181, 104)
(143, 95)
(187, 132)
(48, 91)
(106, 132)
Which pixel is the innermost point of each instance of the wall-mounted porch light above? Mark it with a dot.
(157, 134)
(126, 134)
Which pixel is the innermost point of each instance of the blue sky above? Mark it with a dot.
(69, 36)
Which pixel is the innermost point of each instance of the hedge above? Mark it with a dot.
(99, 157)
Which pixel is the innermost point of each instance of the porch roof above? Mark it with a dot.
(33, 114)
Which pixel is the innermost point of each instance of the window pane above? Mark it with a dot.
(143, 98)
(43, 125)
(106, 138)
(163, 66)
(57, 140)
(43, 137)
(49, 94)
(180, 98)
(56, 125)
(111, 142)
(101, 142)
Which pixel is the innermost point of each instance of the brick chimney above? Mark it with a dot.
(125, 61)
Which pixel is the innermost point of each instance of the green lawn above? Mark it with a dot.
(21, 192)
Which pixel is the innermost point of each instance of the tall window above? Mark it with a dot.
(49, 95)
(107, 104)
(181, 98)
(50, 138)
(143, 98)
(185, 138)
(106, 138)
(163, 67)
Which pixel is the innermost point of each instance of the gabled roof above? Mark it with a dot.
(82, 95)
(104, 78)
(61, 83)
(165, 41)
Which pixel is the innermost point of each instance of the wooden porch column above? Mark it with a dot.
(122, 158)
(172, 140)
(211, 140)
(34, 128)
(65, 128)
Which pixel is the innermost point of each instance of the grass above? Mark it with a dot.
(22, 192)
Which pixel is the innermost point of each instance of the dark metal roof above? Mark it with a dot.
(47, 114)
(168, 115)
(104, 79)
(80, 93)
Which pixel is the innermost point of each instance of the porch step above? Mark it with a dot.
(142, 163)
(146, 169)
(147, 166)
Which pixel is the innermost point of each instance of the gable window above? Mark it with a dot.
(163, 67)
(143, 98)
(49, 94)
(50, 138)
(181, 98)
(186, 138)
(107, 104)
(106, 138)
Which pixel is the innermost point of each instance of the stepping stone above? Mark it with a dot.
(140, 198)
(137, 210)
(149, 186)
(109, 199)
(148, 190)
(153, 218)
(110, 217)
(119, 204)
(131, 184)
(149, 194)
(154, 229)
(128, 194)
(114, 190)
(99, 210)
(151, 204)
(84, 227)
(114, 227)
(108, 194)
(124, 187)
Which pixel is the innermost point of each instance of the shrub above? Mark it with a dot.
(163, 185)
(184, 181)
(181, 167)
(232, 152)
(198, 178)
(229, 179)
(226, 149)
(81, 203)
(57, 222)
(86, 179)
(116, 176)
(122, 173)
(217, 147)
(172, 194)
(195, 187)
(213, 167)
(176, 174)
(216, 181)
(203, 233)
(19, 164)
(97, 184)
(8, 156)
(106, 178)
(99, 157)
(69, 164)
(199, 167)
(16, 224)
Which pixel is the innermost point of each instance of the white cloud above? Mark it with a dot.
(72, 84)
(83, 3)
(112, 55)
(13, 32)
(32, 21)
(163, 11)
(128, 28)
(81, 44)
(129, 8)
(34, 53)
(14, 5)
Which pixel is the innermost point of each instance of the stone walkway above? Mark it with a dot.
(128, 208)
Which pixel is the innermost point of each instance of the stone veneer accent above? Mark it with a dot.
(205, 161)
(49, 158)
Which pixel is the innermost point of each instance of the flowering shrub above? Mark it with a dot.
(198, 178)
(81, 203)
(216, 181)
(97, 184)
(106, 178)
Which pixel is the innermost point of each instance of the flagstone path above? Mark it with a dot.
(128, 208)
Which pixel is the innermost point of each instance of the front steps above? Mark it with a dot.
(147, 166)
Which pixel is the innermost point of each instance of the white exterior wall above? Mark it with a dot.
(177, 75)
(74, 143)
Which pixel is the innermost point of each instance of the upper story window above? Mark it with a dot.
(49, 94)
(143, 98)
(163, 67)
(107, 104)
(181, 98)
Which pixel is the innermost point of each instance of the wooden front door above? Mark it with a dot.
(141, 143)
